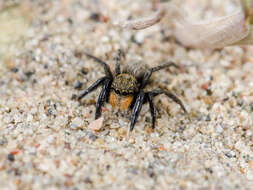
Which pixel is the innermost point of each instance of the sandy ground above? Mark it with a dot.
(45, 141)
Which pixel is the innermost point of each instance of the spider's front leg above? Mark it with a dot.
(103, 96)
(92, 87)
(137, 108)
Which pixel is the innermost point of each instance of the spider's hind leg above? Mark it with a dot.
(169, 95)
(148, 74)
(118, 60)
(150, 99)
(106, 67)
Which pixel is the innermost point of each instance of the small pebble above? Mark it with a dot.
(92, 136)
(208, 118)
(219, 129)
(14, 70)
(28, 74)
(78, 85)
(94, 17)
(76, 123)
(96, 125)
(87, 180)
(84, 71)
(73, 97)
(11, 157)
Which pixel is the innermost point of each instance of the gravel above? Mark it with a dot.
(45, 142)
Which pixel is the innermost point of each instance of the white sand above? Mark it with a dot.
(45, 142)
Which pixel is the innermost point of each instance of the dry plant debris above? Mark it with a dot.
(233, 29)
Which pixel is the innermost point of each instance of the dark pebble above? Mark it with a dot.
(208, 118)
(229, 155)
(94, 17)
(108, 167)
(51, 111)
(199, 117)
(147, 119)
(133, 39)
(78, 85)
(240, 103)
(11, 157)
(73, 97)
(132, 170)
(28, 74)
(87, 180)
(92, 136)
(209, 170)
(45, 66)
(17, 172)
(150, 172)
(84, 71)
(2, 142)
(209, 92)
(78, 54)
(165, 38)
(14, 70)
(70, 21)
(251, 106)
(34, 81)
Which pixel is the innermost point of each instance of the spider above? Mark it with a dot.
(126, 88)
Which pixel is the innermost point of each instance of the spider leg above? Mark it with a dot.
(166, 65)
(170, 95)
(105, 66)
(136, 109)
(150, 98)
(92, 87)
(103, 96)
(148, 74)
(118, 59)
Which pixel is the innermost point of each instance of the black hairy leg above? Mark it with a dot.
(103, 96)
(170, 95)
(150, 99)
(106, 81)
(142, 98)
(92, 87)
(148, 74)
(118, 60)
(106, 67)
(136, 109)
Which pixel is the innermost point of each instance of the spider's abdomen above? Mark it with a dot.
(137, 69)
(125, 84)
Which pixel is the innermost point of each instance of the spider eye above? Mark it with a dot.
(121, 93)
(124, 93)
(116, 91)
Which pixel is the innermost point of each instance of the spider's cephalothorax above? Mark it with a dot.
(126, 89)
(124, 84)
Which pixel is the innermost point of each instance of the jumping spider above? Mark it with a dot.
(126, 88)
